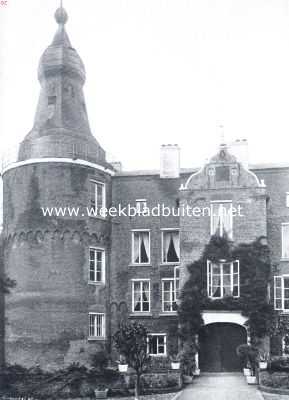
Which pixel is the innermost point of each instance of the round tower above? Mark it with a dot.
(55, 251)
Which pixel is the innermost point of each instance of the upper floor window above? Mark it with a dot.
(169, 295)
(177, 281)
(281, 292)
(96, 265)
(141, 206)
(223, 279)
(97, 197)
(157, 344)
(96, 325)
(170, 246)
(140, 247)
(222, 218)
(287, 199)
(285, 240)
(141, 295)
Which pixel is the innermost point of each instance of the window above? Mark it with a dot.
(96, 325)
(170, 246)
(141, 206)
(285, 240)
(281, 292)
(141, 295)
(168, 295)
(157, 344)
(140, 247)
(97, 197)
(177, 281)
(96, 265)
(222, 219)
(287, 199)
(285, 345)
(223, 279)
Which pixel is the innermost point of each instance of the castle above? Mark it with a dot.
(78, 276)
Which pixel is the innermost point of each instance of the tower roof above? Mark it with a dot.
(61, 127)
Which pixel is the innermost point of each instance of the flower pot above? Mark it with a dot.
(175, 365)
(246, 371)
(263, 364)
(187, 379)
(122, 367)
(101, 394)
(251, 380)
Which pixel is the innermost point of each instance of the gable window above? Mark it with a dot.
(223, 279)
(97, 197)
(222, 218)
(141, 295)
(96, 325)
(285, 240)
(141, 206)
(157, 344)
(168, 295)
(170, 246)
(96, 265)
(140, 247)
(281, 292)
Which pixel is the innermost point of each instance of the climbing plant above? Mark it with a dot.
(254, 261)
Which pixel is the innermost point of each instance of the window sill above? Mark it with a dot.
(163, 264)
(158, 355)
(98, 217)
(168, 314)
(92, 283)
(92, 338)
(284, 259)
(141, 314)
(140, 265)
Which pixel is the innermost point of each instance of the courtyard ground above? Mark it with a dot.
(222, 386)
(166, 396)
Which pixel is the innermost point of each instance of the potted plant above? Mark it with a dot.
(101, 392)
(187, 357)
(263, 359)
(251, 379)
(175, 361)
(248, 355)
(122, 364)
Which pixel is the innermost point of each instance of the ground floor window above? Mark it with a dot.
(157, 344)
(141, 295)
(169, 295)
(285, 345)
(223, 279)
(281, 292)
(96, 325)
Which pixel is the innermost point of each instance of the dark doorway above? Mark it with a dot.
(218, 343)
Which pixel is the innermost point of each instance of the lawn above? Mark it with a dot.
(166, 396)
(269, 396)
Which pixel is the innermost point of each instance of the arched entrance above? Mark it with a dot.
(218, 342)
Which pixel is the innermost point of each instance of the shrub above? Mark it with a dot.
(99, 360)
(279, 363)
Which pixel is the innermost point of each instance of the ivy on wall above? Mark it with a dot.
(254, 261)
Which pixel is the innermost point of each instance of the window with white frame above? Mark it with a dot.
(285, 345)
(97, 197)
(177, 281)
(281, 292)
(285, 240)
(141, 295)
(170, 246)
(141, 206)
(96, 265)
(168, 295)
(96, 325)
(287, 199)
(223, 279)
(157, 344)
(222, 218)
(140, 247)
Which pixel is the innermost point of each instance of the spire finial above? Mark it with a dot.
(222, 134)
(61, 15)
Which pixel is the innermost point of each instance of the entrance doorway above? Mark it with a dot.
(218, 343)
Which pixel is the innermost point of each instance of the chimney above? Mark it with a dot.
(117, 166)
(239, 149)
(170, 161)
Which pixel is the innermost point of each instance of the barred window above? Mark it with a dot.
(96, 325)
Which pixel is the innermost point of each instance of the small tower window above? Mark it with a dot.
(51, 100)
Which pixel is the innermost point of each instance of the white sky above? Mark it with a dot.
(159, 71)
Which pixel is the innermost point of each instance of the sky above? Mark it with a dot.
(158, 72)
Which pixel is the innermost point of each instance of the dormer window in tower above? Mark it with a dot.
(97, 198)
(170, 246)
(222, 218)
